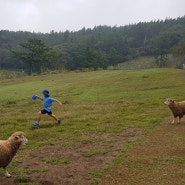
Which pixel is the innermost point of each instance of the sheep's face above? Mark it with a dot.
(169, 102)
(19, 137)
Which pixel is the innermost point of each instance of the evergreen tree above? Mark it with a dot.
(34, 53)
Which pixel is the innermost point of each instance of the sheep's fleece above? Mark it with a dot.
(9, 147)
(177, 108)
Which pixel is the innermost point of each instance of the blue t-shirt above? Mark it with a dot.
(47, 101)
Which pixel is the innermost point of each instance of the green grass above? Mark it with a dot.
(98, 174)
(147, 62)
(93, 102)
(100, 101)
(139, 63)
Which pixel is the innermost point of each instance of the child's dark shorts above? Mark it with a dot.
(46, 112)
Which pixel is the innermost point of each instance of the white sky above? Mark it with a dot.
(62, 15)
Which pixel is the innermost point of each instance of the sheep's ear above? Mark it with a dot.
(16, 137)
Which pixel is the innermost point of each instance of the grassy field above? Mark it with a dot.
(139, 63)
(146, 62)
(93, 102)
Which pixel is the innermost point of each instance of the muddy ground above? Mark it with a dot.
(158, 159)
(73, 165)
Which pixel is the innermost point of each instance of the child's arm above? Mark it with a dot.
(38, 97)
(60, 103)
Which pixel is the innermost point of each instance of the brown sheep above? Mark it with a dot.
(177, 108)
(9, 147)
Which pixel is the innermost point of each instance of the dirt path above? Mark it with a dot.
(159, 159)
(60, 165)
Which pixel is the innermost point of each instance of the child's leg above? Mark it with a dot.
(39, 116)
(53, 116)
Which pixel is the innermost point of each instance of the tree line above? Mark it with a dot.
(99, 47)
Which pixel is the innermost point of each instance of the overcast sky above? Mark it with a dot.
(62, 15)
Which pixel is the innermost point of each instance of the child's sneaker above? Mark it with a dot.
(35, 124)
(58, 121)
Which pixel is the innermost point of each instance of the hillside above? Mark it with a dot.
(146, 62)
(103, 113)
(101, 46)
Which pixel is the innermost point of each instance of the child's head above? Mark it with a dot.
(45, 93)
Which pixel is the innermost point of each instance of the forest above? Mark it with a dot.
(92, 48)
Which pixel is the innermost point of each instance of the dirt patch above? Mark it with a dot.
(60, 165)
(159, 159)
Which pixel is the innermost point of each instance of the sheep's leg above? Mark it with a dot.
(178, 120)
(173, 121)
(6, 173)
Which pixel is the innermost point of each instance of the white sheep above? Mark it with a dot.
(9, 147)
(177, 108)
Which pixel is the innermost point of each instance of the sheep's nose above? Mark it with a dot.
(25, 142)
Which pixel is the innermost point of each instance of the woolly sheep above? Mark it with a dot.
(9, 147)
(177, 108)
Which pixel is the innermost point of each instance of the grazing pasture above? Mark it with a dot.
(102, 113)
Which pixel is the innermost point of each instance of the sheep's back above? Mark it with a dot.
(182, 106)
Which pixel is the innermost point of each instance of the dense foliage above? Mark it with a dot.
(34, 53)
(101, 46)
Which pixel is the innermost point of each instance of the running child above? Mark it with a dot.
(47, 102)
